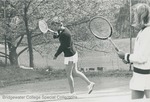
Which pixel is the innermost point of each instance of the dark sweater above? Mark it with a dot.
(66, 44)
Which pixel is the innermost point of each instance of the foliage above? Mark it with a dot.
(15, 29)
(123, 19)
(75, 14)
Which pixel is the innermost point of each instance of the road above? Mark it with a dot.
(106, 90)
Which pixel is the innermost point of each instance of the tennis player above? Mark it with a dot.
(70, 54)
(140, 81)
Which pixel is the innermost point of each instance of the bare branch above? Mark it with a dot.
(22, 51)
(91, 48)
(19, 42)
(3, 54)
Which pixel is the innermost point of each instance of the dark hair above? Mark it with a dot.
(56, 23)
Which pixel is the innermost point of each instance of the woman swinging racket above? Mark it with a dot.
(70, 54)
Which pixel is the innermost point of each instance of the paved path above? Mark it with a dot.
(57, 91)
(110, 95)
(106, 95)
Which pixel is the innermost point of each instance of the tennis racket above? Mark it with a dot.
(44, 27)
(102, 29)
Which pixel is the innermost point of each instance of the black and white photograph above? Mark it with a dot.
(74, 50)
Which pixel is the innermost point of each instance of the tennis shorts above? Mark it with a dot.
(73, 59)
(140, 82)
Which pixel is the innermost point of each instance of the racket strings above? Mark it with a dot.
(100, 27)
(43, 26)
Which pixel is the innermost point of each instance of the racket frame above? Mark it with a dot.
(104, 38)
(45, 24)
(111, 28)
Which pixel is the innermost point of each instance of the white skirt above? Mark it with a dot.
(73, 59)
(140, 82)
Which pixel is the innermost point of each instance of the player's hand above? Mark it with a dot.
(121, 54)
(55, 35)
(124, 61)
(54, 57)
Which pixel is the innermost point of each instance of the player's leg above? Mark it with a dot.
(83, 77)
(69, 68)
(80, 74)
(137, 94)
(147, 93)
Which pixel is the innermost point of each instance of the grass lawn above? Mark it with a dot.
(87, 58)
(112, 65)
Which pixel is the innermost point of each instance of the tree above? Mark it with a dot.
(15, 33)
(76, 15)
(8, 30)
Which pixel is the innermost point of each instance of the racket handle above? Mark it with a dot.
(51, 30)
(116, 48)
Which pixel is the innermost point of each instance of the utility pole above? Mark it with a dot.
(130, 66)
(5, 32)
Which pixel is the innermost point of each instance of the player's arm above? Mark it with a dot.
(59, 51)
(62, 47)
(143, 52)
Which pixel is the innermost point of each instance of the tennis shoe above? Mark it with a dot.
(73, 95)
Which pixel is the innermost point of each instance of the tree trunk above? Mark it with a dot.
(29, 39)
(30, 49)
(13, 56)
